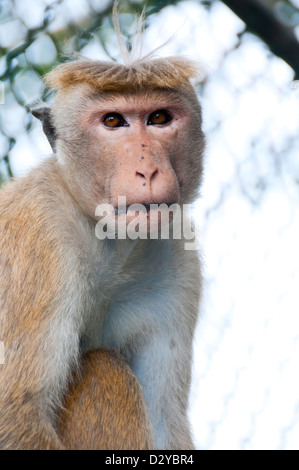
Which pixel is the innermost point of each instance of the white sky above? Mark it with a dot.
(245, 392)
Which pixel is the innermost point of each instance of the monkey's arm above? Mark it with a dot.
(38, 321)
(163, 364)
(163, 369)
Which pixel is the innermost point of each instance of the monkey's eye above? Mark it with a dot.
(159, 117)
(114, 120)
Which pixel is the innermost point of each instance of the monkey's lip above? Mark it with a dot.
(139, 207)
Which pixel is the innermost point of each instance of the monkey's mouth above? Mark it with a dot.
(143, 208)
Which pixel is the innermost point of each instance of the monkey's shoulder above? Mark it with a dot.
(35, 206)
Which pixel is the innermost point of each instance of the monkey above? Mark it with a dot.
(132, 130)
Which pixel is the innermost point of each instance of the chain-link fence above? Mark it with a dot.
(245, 392)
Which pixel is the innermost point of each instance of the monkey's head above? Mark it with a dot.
(131, 131)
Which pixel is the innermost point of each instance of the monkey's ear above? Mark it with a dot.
(44, 114)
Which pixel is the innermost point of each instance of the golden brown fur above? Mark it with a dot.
(102, 397)
(169, 73)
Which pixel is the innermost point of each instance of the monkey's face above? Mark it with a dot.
(124, 149)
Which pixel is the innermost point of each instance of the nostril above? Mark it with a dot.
(154, 174)
(147, 175)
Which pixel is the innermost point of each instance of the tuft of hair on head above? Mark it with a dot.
(135, 53)
(135, 73)
(161, 73)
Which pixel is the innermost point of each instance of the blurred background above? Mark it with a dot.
(245, 389)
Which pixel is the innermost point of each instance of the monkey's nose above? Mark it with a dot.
(147, 175)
